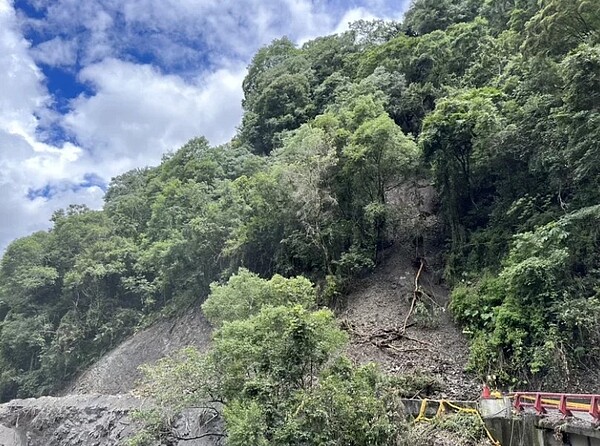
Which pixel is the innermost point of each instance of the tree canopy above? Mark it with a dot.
(495, 103)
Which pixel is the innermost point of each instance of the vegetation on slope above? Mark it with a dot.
(273, 374)
(498, 102)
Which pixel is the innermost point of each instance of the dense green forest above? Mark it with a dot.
(497, 102)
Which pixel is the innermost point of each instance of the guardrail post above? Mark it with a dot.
(594, 410)
(562, 406)
(517, 404)
(538, 406)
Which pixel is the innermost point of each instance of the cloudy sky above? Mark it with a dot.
(92, 88)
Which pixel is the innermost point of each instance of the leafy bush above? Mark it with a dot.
(155, 428)
(535, 311)
(245, 294)
(427, 316)
(276, 371)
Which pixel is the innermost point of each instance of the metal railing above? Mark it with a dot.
(565, 403)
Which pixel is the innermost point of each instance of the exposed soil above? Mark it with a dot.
(378, 303)
(74, 420)
(94, 410)
(118, 371)
(375, 313)
(383, 314)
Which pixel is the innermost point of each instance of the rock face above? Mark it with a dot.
(117, 372)
(94, 420)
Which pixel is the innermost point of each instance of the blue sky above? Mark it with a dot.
(92, 88)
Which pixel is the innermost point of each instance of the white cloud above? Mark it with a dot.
(56, 52)
(137, 113)
(18, 74)
(135, 116)
(201, 29)
(29, 165)
(353, 15)
(25, 162)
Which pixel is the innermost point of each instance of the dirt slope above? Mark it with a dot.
(117, 372)
(374, 316)
(94, 411)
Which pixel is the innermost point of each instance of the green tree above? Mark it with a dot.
(456, 139)
(425, 16)
(269, 370)
(245, 294)
(561, 25)
(379, 158)
(27, 278)
(308, 161)
(260, 207)
(579, 119)
(277, 95)
(518, 317)
(126, 202)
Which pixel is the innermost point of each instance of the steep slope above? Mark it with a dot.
(118, 371)
(375, 314)
(95, 411)
(73, 420)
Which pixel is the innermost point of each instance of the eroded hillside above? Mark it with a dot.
(92, 420)
(375, 314)
(95, 409)
(118, 371)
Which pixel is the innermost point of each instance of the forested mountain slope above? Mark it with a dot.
(497, 103)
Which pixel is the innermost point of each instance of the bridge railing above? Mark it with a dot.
(565, 403)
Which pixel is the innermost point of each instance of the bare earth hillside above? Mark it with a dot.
(374, 316)
(90, 420)
(117, 372)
